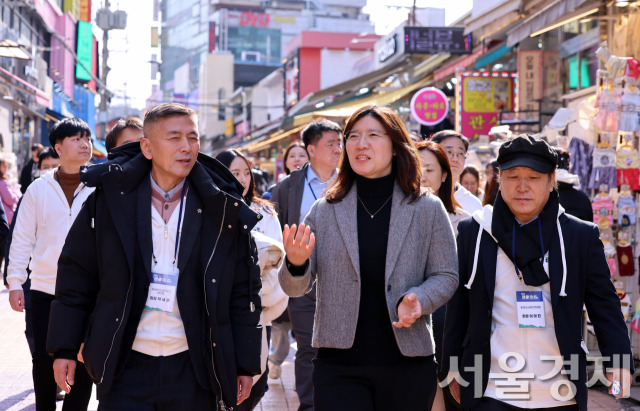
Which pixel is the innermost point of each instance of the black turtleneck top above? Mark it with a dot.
(374, 332)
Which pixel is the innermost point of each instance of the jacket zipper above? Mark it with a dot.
(221, 403)
(126, 300)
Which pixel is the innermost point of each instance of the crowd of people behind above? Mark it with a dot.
(171, 280)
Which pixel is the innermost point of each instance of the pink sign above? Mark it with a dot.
(429, 106)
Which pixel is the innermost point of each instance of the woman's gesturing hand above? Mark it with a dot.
(409, 310)
(298, 244)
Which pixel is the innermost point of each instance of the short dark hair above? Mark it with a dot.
(48, 152)
(36, 146)
(166, 110)
(444, 134)
(313, 131)
(67, 128)
(111, 139)
(564, 158)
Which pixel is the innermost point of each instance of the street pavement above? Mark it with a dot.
(16, 385)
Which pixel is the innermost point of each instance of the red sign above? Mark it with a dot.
(429, 106)
(248, 18)
(212, 36)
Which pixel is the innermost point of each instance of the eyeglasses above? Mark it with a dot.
(369, 136)
(456, 154)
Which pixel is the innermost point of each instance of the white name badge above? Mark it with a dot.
(162, 290)
(530, 309)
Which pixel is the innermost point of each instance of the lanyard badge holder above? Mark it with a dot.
(164, 280)
(530, 304)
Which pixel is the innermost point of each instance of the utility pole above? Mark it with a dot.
(107, 21)
(103, 74)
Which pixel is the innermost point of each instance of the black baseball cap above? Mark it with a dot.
(527, 151)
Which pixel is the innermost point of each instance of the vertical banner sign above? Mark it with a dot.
(212, 36)
(155, 37)
(429, 106)
(84, 50)
(530, 75)
(85, 10)
(291, 81)
(481, 98)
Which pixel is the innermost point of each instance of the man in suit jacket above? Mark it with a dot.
(294, 197)
(526, 271)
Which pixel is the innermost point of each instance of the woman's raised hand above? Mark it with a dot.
(298, 243)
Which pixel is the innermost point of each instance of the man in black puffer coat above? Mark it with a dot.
(168, 313)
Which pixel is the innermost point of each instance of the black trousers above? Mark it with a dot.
(157, 384)
(351, 387)
(301, 313)
(491, 404)
(44, 384)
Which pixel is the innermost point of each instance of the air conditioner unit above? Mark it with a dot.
(250, 56)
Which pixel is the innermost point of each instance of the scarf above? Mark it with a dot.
(525, 249)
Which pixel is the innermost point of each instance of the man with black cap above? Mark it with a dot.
(513, 333)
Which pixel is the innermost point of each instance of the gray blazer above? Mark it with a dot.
(421, 259)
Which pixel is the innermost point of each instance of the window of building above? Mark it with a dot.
(255, 44)
(580, 70)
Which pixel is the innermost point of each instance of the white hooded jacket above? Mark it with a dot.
(484, 218)
(41, 228)
(532, 345)
(274, 300)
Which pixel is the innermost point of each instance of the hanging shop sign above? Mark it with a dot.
(480, 97)
(437, 40)
(530, 75)
(388, 49)
(291, 81)
(84, 50)
(429, 106)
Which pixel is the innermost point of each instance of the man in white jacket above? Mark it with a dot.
(49, 208)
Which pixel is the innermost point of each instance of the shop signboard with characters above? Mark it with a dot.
(480, 98)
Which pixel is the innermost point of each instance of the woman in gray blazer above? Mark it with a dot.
(383, 254)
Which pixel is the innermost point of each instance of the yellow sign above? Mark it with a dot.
(228, 127)
(486, 95)
(284, 19)
(73, 7)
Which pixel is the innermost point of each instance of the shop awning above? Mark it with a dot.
(383, 99)
(556, 12)
(19, 106)
(493, 55)
(307, 103)
(252, 147)
(16, 82)
(491, 15)
(9, 48)
(430, 64)
(462, 63)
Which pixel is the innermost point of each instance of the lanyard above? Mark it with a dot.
(513, 245)
(76, 194)
(310, 188)
(178, 229)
